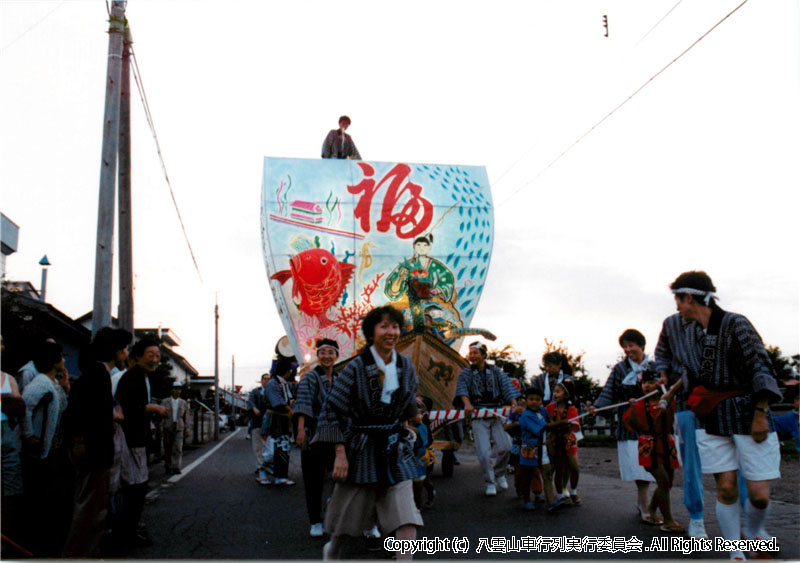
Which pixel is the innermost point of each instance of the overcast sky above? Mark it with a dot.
(699, 170)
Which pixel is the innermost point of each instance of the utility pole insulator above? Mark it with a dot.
(605, 24)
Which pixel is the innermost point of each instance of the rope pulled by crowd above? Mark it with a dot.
(458, 414)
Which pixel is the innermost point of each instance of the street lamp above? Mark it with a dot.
(44, 263)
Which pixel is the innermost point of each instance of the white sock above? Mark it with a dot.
(559, 496)
(755, 521)
(728, 518)
(573, 492)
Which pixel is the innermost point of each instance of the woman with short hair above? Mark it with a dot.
(623, 384)
(366, 417)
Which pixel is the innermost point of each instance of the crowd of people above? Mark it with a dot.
(702, 403)
(74, 458)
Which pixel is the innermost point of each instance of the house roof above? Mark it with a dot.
(169, 339)
(168, 336)
(18, 301)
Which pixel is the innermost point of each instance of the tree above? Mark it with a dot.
(586, 388)
(786, 370)
(508, 356)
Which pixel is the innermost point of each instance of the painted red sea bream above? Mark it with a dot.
(318, 280)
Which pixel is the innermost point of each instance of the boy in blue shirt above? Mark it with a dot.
(532, 423)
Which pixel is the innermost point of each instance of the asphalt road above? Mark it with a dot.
(217, 510)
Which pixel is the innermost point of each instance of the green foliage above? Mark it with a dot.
(786, 371)
(509, 356)
(785, 368)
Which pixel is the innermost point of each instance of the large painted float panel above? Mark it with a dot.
(342, 236)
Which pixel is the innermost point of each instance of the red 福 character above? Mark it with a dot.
(417, 212)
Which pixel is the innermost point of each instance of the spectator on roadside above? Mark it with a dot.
(133, 394)
(257, 404)
(118, 371)
(27, 372)
(25, 375)
(13, 409)
(89, 434)
(47, 494)
(176, 428)
(277, 426)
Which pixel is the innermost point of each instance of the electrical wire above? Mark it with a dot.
(658, 23)
(24, 33)
(137, 76)
(625, 101)
(526, 153)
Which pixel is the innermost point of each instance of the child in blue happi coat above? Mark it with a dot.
(532, 463)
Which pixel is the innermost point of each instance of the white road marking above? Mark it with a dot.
(201, 459)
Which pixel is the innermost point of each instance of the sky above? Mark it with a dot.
(692, 166)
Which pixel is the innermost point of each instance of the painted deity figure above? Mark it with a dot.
(421, 265)
(422, 280)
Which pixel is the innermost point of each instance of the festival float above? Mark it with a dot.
(341, 237)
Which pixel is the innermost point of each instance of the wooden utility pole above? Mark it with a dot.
(233, 389)
(125, 314)
(103, 269)
(216, 369)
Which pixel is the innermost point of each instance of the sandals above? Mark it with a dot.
(652, 520)
(673, 528)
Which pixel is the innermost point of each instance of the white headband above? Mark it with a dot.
(328, 346)
(692, 291)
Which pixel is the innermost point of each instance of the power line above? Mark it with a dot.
(24, 33)
(658, 23)
(605, 22)
(137, 75)
(625, 101)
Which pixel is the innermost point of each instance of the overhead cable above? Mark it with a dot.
(658, 23)
(24, 33)
(137, 75)
(625, 101)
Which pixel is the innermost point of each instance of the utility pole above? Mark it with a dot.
(125, 312)
(233, 388)
(103, 268)
(216, 369)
